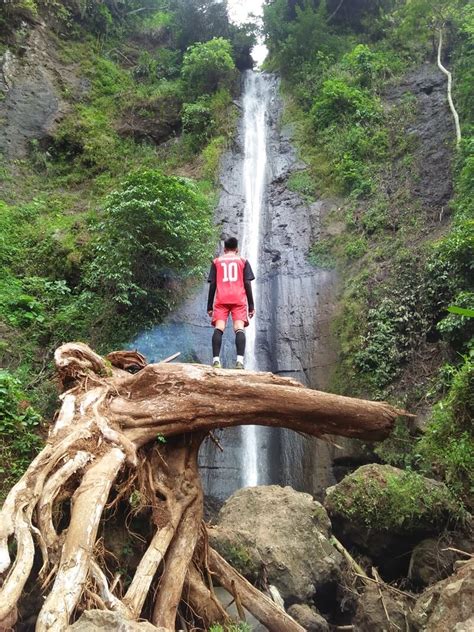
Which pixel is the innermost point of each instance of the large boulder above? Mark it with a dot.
(448, 604)
(386, 511)
(282, 534)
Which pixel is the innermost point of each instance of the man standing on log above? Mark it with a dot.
(229, 283)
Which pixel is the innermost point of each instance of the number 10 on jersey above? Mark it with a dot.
(230, 271)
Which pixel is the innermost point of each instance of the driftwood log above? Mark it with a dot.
(134, 438)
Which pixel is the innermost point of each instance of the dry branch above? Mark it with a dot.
(108, 427)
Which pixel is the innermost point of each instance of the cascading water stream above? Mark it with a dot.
(254, 180)
(290, 333)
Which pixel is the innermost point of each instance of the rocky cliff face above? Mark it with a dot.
(433, 131)
(30, 83)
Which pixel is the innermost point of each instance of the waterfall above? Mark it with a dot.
(255, 102)
(290, 332)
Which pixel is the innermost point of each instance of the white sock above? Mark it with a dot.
(240, 359)
(215, 359)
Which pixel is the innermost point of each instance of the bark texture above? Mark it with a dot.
(133, 439)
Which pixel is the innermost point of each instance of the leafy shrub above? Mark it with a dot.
(156, 26)
(355, 248)
(456, 250)
(447, 446)
(17, 308)
(17, 9)
(375, 217)
(353, 148)
(211, 115)
(365, 65)
(155, 227)
(197, 120)
(379, 356)
(458, 329)
(241, 559)
(19, 424)
(208, 66)
(211, 156)
(339, 102)
(351, 174)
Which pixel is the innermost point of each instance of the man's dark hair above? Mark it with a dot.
(231, 243)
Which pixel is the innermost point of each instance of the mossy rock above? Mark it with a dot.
(382, 509)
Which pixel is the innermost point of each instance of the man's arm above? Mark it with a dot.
(248, 277)
(248, 291)
(210, 298)
(212, 280)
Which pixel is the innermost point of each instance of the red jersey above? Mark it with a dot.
(229, 273)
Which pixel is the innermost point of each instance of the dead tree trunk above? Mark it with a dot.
(449, 88)
(135, 438)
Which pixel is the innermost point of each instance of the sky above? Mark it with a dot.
(241, 11)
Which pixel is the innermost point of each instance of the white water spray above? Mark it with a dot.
(255, 103)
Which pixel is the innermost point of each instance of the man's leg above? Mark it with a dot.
(239, 342)
(217, 342)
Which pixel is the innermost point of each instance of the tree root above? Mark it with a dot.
(261, 606)
(119, 435)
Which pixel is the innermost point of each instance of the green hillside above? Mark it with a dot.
(401, 235)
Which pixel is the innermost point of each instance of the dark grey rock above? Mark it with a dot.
(30, 86)
(433, 129)
(429, 563)
(433, 559)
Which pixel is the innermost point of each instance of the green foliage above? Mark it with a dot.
(155, 227)
(447, 446)
(458, 328)
(355, 248)
(302, 182)
(380, 355)
(375, 217)
(366, 66)
(241, 559)
(164, 63)
(296, 35)
(18, 9)
(19, 424)
(241, 626)
(211, 156)
(197, 120)
(321, 255)
(464, 75)
(208, 66)
(341, 103)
